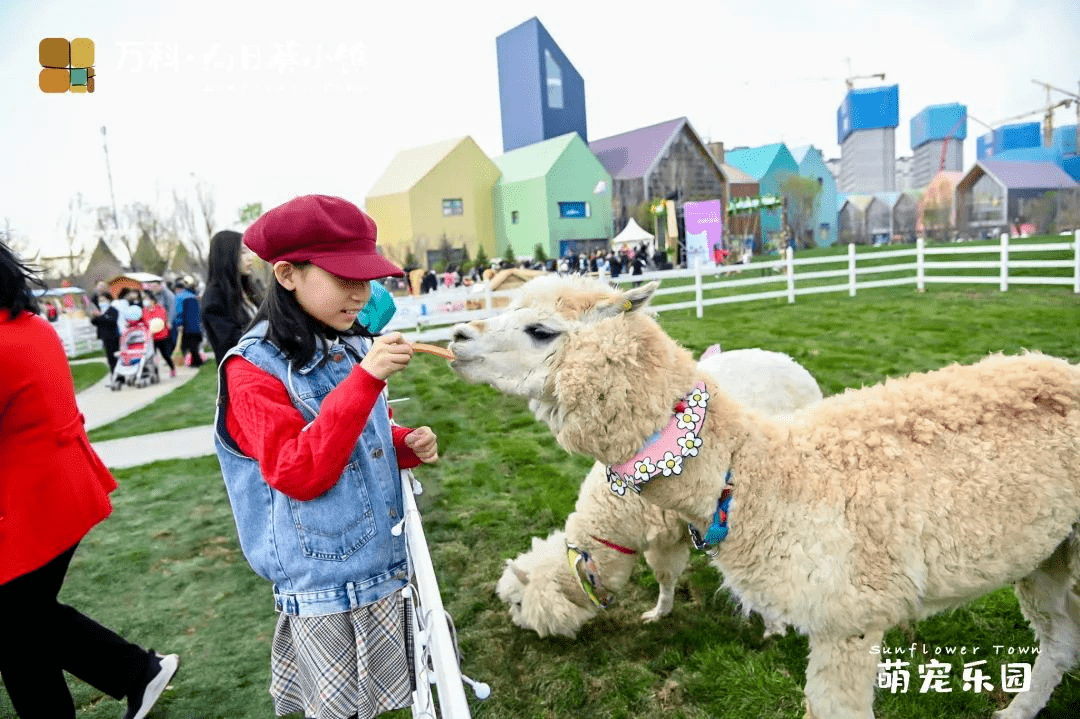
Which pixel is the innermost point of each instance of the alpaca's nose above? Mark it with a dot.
(464, 332)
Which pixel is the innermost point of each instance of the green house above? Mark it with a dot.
(555, 194)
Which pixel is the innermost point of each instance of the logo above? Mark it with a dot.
(66, 66)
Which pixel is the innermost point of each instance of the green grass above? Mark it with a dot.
(166, 571)
(190, 405)
(87, 374)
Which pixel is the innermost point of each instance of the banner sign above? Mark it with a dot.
(704, 232)
(752, 204)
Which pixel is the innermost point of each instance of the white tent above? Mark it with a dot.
(632, 234)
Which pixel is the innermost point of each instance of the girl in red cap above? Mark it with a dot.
(311, 463)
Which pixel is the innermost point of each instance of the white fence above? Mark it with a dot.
(435, 655)
(77, 335)
(432, 316)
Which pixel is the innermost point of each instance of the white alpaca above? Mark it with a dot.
(609, 532)
(872, 507)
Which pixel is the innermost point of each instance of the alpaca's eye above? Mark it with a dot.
(541, 333)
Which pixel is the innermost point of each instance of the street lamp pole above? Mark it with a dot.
(108, 170)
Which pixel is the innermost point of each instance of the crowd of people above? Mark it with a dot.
(613, 263)
(182, 313)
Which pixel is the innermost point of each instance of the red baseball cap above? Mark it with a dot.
(326, 231)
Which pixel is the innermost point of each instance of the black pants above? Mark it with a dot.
(111, 347)
(165, 349)
(189, 343)
(44, 638)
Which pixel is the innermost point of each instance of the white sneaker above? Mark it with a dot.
(142, 702)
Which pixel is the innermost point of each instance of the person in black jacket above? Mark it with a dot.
(232, 295)
(108, 329)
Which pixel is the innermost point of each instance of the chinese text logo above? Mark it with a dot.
(66, 66)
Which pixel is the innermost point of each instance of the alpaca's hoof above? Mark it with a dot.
(652, 615)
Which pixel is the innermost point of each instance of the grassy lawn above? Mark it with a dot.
(165, 569)
(87, 374)
(190, 405)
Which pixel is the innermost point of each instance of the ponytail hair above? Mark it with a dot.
(17, 280)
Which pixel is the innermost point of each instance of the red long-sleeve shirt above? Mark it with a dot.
(302, 464)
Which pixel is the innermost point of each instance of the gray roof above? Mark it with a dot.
(1027, 175)
(632, 154)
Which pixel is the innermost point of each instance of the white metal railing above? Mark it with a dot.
(435, 656)
(432, 316)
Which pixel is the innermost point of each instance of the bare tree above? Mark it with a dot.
(107, 225)
(187, 227)
(16, 242)
(204, 194)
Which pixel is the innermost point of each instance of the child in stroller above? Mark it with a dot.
(135, 363)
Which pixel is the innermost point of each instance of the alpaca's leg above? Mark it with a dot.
(667, 564)
(840, 676)
(1050, 599)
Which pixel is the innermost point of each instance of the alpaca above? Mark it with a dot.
(872, 507)
(545, 594)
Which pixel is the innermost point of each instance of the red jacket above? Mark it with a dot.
(53, 486)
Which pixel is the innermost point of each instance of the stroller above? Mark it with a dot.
(135, 364)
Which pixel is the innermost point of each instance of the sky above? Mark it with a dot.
(264, 101)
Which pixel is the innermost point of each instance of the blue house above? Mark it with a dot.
(541, 95)
(812, 166)
(770, 165)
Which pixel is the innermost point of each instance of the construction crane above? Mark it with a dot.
(1048, 127)
(850, 79)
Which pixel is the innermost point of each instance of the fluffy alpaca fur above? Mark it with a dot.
(541, 590)
(875, 506)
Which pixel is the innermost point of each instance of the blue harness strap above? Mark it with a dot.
(718, 530)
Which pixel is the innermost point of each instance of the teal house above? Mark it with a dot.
(555, 194)
(812, 166)
(770, 165)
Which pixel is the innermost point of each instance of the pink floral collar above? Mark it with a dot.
(665, 451)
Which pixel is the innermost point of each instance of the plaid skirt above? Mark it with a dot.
(357, 663)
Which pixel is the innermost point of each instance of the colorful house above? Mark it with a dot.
(541, 94)
(555, 194)
(435, 201)
(771, 165)
(998, 195)
(851, 220)
(812, 166)
(663, 161)
(892, 216)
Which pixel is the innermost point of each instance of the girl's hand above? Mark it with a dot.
(389, 353)
(424, 444)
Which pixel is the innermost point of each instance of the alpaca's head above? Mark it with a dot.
(594, 366)
(541, 591)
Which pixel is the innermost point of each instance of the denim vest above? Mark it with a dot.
(335, 552)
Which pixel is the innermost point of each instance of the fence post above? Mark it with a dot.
(1004, 284)
(698, 294)
(1076, 261)
(851, 277)
(920, 264)
(790, 257)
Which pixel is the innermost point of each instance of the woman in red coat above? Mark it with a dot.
(51, 495)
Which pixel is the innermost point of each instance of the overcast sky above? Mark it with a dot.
(204, 89)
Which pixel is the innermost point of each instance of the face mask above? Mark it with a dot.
(378, 311)
(103, 306)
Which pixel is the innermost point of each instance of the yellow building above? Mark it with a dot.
(432, 196)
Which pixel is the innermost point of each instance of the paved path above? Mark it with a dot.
(101, 405)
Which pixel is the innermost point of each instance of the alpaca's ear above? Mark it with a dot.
(520, 573)
(629, 301)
